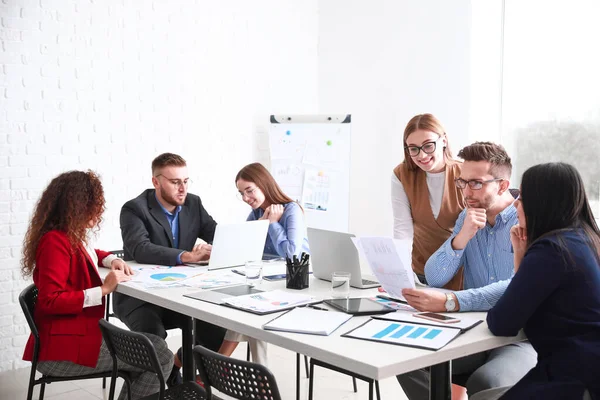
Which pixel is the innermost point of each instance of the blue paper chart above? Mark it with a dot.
(406, 334)
(396, 331)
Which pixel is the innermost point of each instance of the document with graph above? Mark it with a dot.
(389, 260)
(270, 302)
(412, 335)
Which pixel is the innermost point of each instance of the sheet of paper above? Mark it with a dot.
(389, 261)
(465, 322)
(214, 279)
(308, 320)
(316, 190)
(414, 335)
(289, 176)
(287, 144)
(269, 301)
(161, 276)
(394, 304)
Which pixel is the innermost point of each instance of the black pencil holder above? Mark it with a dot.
(296, 276)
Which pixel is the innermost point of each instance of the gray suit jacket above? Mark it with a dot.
(147, 236)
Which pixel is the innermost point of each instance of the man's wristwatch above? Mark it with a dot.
(450, 302)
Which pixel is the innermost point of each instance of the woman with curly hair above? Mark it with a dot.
(70, 300)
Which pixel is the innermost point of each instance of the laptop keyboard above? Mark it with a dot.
(369, 282)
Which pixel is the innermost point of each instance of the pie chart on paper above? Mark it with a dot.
(168, 277)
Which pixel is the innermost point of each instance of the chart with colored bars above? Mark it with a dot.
(396, 331)
(414, 335)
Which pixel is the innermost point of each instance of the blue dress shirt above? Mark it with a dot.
(287, 237)
(487, 258)
(173, 219)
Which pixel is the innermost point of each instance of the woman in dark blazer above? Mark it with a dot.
(70, 300)
(555, 293)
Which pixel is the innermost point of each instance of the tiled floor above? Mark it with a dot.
(328, 384)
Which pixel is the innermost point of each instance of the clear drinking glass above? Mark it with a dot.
(340, 285)
(253, 272)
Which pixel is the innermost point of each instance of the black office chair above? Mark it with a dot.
(297, 370)
(354, 376)
(137, 350)
(108, 314)
(240, 379)
(27, 300)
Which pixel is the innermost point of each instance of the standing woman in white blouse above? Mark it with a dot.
(425, 199)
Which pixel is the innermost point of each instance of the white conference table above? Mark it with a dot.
(370, 359)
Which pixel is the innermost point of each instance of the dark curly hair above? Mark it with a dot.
(68, 204)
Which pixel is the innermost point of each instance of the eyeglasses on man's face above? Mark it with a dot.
(427, 148)
(246, 193)
(177, 183)
(474, 184)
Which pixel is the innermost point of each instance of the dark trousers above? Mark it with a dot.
(154, 319)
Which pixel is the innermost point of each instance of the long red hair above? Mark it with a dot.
(68, 204)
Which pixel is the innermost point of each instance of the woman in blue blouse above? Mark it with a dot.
(287, 230)
(287, 234)
(555, 293)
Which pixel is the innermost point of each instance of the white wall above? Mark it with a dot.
(109, 85)
(384, 61)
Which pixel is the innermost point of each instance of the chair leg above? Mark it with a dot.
(306, 365)
(354, 384)
(311, 378)
(371, 390)
(103, 383)
(42, 390)
(111, 391)
(377, 390)
(297, 376)
(31, 385)
(248, 352)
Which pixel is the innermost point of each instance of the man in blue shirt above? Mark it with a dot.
(161, 226)
(481, 243)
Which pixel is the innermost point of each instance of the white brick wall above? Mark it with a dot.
(109, 84)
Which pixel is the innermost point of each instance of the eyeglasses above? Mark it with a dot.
(248, 192)
(427, 148)
(474, 184)
(177, 183)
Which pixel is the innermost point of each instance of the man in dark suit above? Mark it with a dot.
(161, 226)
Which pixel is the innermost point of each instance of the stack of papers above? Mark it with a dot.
(308, 320)
(268, 302)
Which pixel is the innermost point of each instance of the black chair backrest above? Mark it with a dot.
(240, 379)
(27, 300)
(132, 348)
(118, 253)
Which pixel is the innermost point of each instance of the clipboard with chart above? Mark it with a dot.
(310, 160)
(405, 334)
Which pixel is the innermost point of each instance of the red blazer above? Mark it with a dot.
(68, 332)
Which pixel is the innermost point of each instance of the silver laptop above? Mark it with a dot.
(234, 244)
(334, 251)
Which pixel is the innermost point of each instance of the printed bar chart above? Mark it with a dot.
(411, 334)
(393, 332)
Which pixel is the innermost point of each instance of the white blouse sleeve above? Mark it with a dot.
(403, 222)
